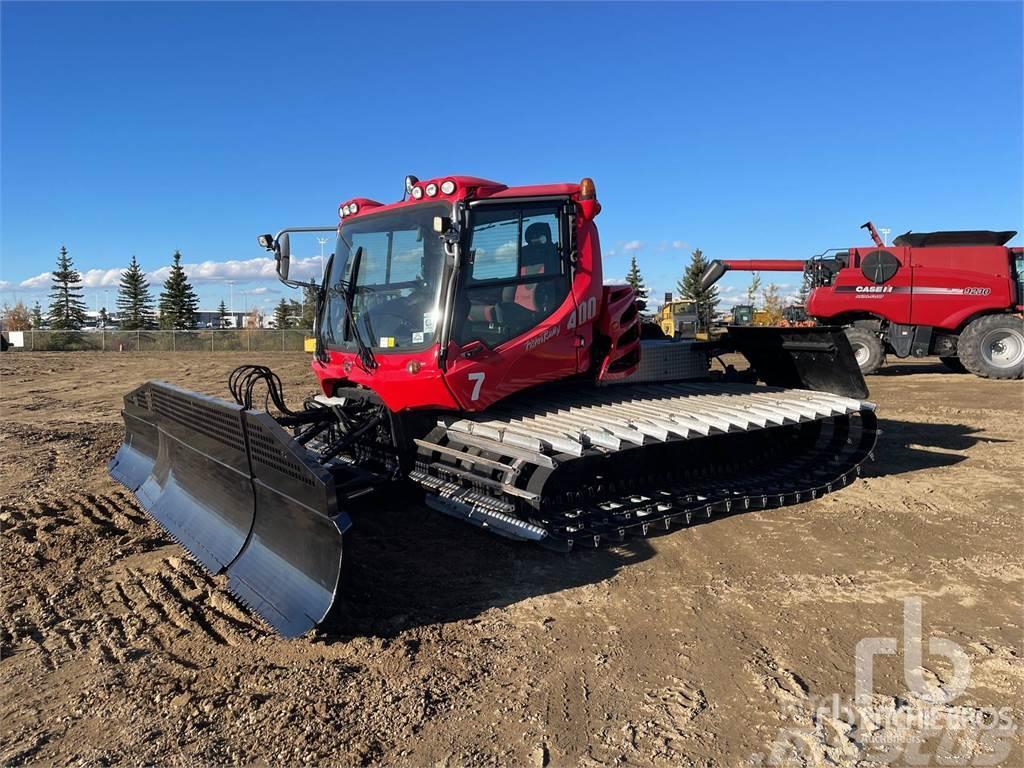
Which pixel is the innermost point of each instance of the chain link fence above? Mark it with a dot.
(205, 340)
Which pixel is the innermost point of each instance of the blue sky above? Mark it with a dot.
(748, 130)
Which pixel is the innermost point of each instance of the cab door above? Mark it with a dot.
(513, 303)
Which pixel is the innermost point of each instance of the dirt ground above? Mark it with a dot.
(712, 645)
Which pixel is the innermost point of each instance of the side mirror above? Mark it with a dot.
(282, 252)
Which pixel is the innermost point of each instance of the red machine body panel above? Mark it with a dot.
(948, 289)
(391, 379)
(933, 286)
(852, 292)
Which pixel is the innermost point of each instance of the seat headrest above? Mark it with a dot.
(538, 229)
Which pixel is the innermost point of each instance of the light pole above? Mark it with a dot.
(323, 241)
(885, 235)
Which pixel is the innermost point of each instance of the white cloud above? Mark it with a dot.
(39, 281)
(680, 245)
(501, 264)
(101, 278)
(241, 270)
(4, 285)
(633, 245)
(261, 291)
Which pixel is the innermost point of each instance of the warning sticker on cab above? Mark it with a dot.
(387, 342)
(417, 337)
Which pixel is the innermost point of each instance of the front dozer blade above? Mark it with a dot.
(811, 357)
(288, 572)
(243, 498)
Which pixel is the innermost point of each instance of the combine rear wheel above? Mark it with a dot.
(993, 347)
(867, 349)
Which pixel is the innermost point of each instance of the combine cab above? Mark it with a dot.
(466, 342)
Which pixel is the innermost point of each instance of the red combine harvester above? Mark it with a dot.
(955, 294)
(468, 346)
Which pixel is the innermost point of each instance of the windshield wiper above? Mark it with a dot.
(365, 353)
(348, 296)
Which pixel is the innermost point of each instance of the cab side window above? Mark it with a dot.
(516, 275)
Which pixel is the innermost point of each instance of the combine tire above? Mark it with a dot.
(867, 349)
(954, 364)
(993, 347)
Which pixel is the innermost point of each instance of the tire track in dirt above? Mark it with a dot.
(137, 597)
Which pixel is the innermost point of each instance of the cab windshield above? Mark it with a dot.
(397, 284)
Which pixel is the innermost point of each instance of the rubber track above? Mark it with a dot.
(473, 474)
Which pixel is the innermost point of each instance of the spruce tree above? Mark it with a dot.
(67, 308)
(636, 280)
(222, 315)
(178, 302)
(134, 301)
(37, 316)
(308, 307)
(689, 288)
(281, 314)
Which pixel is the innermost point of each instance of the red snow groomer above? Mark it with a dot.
(954, 294)
(467, 345)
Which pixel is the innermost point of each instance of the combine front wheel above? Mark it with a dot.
(867, 349)
(993, 347)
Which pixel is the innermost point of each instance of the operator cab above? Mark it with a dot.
(514, 274)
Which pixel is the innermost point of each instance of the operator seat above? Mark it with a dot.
(538, 257)
(520, 306)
